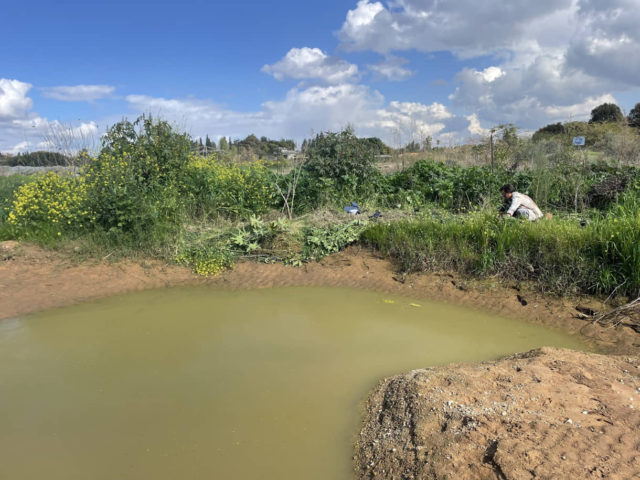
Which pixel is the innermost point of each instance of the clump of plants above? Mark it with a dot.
(133, 184)
(322, 241)
(49, 206)
(213, 187)
(562, 255)
(212, 253)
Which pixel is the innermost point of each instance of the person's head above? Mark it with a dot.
(507, 190)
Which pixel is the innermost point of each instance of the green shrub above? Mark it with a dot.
(342, 158)
(49, 206)
(133, 185)
(215, 188)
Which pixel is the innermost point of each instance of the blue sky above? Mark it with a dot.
(400, 70)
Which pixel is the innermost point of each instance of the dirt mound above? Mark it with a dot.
(548, 413)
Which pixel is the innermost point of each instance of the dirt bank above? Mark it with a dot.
(549, 414)
(33, 279)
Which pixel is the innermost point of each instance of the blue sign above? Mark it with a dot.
(578, 141)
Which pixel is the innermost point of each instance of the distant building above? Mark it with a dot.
(291, 154)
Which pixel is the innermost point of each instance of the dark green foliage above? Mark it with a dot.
(456, 187)
(36, 159)
(263, 147)
(634, 116)
(548, 130)
(377, 146)
(131, 185)
(340, 157)
(607, 112)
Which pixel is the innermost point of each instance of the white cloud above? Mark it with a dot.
(551, 58)
(474, 127)
(490, 74)
(529, 96)
(302, 63)
(392, 69)
(607, 42)
(466, 27)
(19, 147)
(21, 129)
(14, 102)
(304, 111)
(78, 93)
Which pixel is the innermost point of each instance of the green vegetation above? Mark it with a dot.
(560, 254)
(36, 159)
(148, 193)
(607, 112)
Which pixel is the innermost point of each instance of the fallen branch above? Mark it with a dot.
(617, 316)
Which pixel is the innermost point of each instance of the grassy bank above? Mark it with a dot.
(558, 254)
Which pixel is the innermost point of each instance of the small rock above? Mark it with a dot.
(569, 421)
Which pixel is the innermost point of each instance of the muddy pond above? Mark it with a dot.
(201, 383)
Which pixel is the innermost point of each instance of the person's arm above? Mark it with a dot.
(516, 201)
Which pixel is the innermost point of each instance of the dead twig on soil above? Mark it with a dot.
(630, 311)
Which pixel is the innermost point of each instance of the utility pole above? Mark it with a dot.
(491, 148)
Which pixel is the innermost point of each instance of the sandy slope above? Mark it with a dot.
(549, 414)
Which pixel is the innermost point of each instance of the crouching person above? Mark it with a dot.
(518, 204)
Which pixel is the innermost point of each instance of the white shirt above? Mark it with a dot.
(520, 200)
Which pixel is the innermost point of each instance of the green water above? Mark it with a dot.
(194, 383)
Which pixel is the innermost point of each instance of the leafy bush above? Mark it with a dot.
(607, 112)
(49, 206)
(213, 188)
(155, 149)
(132, 186)
(456, 187)
(340, 157)
(320, 242)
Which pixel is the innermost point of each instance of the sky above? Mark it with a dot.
(401, 70)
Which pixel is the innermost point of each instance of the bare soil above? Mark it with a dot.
(506, 419)
(548, 414)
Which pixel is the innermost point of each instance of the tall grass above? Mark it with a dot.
(558, 254)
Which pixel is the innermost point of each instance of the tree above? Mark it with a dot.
(224, 146)
(342, 157)
(634, 116)
(548, 131)
(412, 147)
(607, 112)
(207, 142)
